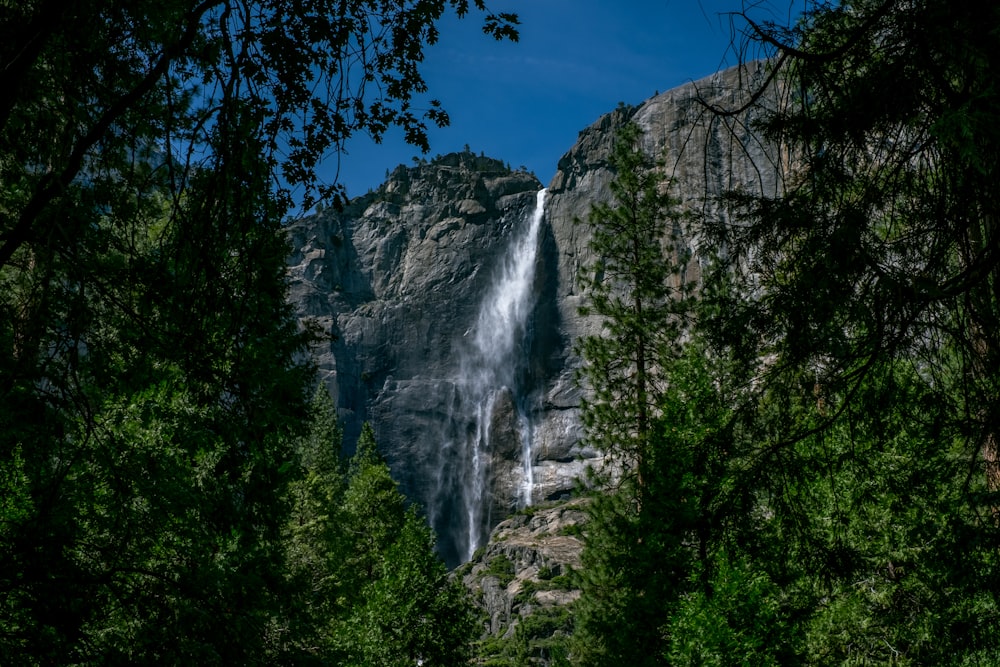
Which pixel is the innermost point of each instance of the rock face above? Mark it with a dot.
(527, 565)
(401, 278)
(704, 154)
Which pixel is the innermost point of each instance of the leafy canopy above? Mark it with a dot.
(152, 388)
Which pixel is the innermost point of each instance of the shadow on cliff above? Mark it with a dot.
(547, 344)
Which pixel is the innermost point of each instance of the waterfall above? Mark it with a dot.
(490, 382)
(501, 330)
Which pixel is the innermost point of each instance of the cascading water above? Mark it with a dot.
(490, 381)
(501, 329)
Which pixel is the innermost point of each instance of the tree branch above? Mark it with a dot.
(54, 182)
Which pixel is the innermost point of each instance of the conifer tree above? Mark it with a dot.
(403, 607)
(865, 296)
(151, 383)
(315, 541)
(629, 288)
(635, 564)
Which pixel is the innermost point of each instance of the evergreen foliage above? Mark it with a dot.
(629, 288)
(315, 540)
(808, 453)
(868, 296)
(539, 638)
(368, 587)
(822, 479)
(635, 565)
(151, 390)
(402, 608)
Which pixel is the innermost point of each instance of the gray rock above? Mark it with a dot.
(526, 564)
(397, 278)
(704, 155)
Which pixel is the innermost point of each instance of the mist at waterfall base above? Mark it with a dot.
(492, 401)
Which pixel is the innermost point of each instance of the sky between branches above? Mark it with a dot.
(524, 103)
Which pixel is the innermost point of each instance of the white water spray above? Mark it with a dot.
(501, 329)
(488, 374)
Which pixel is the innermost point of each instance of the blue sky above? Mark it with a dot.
(525, 102)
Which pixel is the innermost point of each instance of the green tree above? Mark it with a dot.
(315, 541)
(656, 571)
(404, 608)
(152, 399)
(636, 562)
(822, 479)
(866, 297)
(365, 583)
(628, 287)
(741, 620)
(883, 246)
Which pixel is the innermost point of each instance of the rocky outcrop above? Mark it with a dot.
(383, 277)
(396, 281)
(527, 566)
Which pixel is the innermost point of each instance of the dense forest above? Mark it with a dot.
(164, 498)
(809, 433)
(803, 431)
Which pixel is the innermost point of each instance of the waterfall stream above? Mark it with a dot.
(490, 389)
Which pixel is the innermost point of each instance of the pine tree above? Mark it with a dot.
(151, 383)
(315, 540)
(636, 565)
(403, 607)
(629, 289)
(865, 296)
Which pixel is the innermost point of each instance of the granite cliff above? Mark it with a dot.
(397, 280)
(401, 278)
